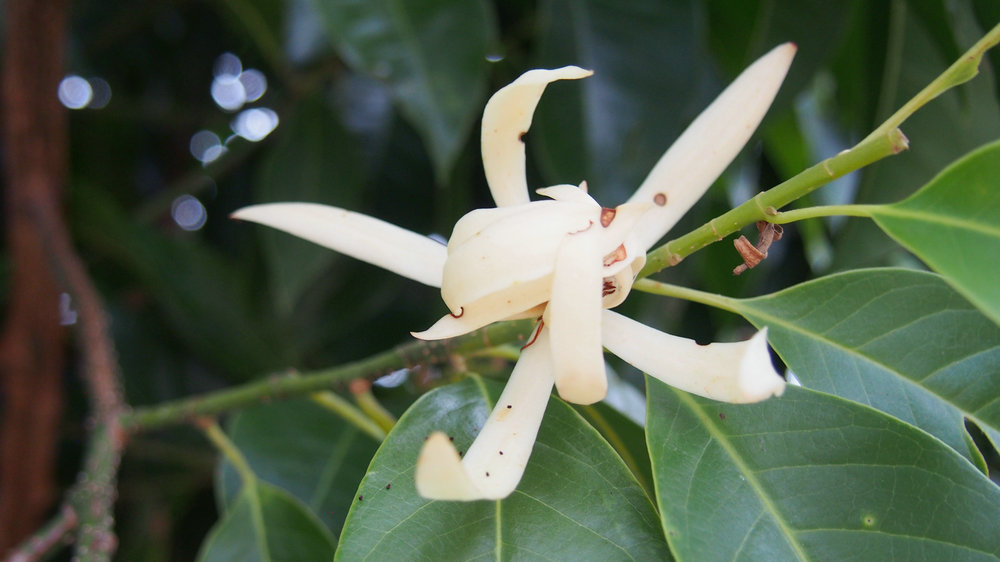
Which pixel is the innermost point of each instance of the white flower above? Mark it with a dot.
(566, 260)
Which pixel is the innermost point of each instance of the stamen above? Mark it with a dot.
(618, 255)
(607, 215)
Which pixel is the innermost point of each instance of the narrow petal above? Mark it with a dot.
(738, 372)
(506, 118)
(573, 318)
(493, 465)
(368, 239)
(710, 143)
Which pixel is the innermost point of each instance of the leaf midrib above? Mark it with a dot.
(751, 477)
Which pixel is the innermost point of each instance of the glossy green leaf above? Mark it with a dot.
(267, 524)
(304, 449)
(314, 160)
(577, 498)
(953, 224)
(898, 340)
(809, 476)
(626, 437)
(432, 55)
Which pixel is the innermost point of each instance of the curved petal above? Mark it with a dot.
(738, 372)
(493, 465)
(368, 239)
(494, 307)
(506, 118)
(569, 193)
(710, 143)
(517, 249)
(573, 319)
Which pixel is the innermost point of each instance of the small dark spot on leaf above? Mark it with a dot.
(722, 416)
(360, 498)
(388, 486)
(450, 438)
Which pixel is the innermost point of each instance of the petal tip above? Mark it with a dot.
(758, 378)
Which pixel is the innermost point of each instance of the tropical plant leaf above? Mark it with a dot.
(432, 56)
(953, 224)
(810, 476)
(302, 448)
(898, 340)
(266, 524)
(626, 437)
(576, 499)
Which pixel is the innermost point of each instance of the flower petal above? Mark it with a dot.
(493, 465)
(494, 307)
(573, 319)
(368, 239)
(710, 143)
(738, 372)
(508, 253)
(506, 118)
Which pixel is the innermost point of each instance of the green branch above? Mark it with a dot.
(286, 386)
(884, 141)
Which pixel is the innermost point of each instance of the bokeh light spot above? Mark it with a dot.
(75, 92)
(188, 212)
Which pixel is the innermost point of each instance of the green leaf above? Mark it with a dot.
(431, 55)
(898, 340)
(953, 224)
(304, 449)
(314, 160)
(626, 437)
(576, 499)
(265, 524)
(944, 130)
(810, 476)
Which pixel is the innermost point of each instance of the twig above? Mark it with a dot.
(276, 387)
(46, 539)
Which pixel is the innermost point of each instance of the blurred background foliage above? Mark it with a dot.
(377, 107)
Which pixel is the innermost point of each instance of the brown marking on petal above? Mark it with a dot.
(584, 229)
(501, 452)
(618, 255)
(461, 313)
(660, 199)
(520, 136)
(509, 406)
(607, 215)
(609, 287)
(487, 474)
(541, 324)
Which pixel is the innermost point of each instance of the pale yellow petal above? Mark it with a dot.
(508, 253)
(573, 318)
(506, 118)
(354, 234)
(492, 467)
(739, 372)
(522, 303)
(709, 144)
